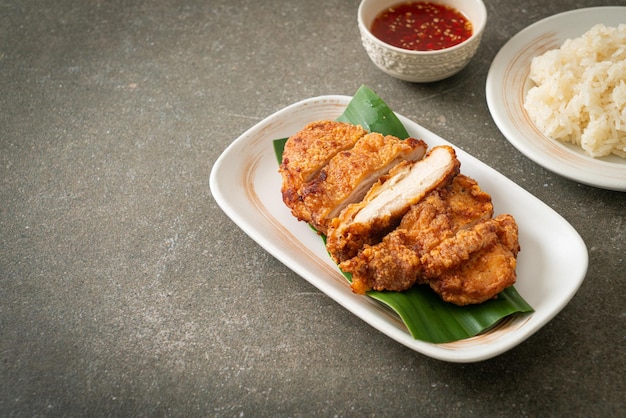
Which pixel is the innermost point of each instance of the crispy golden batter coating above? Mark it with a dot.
(443, 212)
(467, 203)
(307, 152)
(485, 274)
(391, 265)
(452, 251)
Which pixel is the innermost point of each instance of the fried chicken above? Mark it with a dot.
(395, 263)
(350, 174)
(484, 273)
(395, 215)
(307, 152)
(448, 240)
(388, 200)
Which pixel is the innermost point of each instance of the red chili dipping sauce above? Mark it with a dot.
(421, 26)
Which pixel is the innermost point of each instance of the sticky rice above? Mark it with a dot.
(580, 91)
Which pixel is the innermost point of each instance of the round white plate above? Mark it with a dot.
(508, 83)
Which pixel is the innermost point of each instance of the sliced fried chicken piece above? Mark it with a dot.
(390, 265)
(350, 173)
(454, 250)
(447, 210)
(481, 277)
(307, 152)
(388, 200)
(467, 204)
(395, 263)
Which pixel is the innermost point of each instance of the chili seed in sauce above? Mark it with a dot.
(421, 26)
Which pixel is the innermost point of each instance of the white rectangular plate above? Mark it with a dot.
(246, 184)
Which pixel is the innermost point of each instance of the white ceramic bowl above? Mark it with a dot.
(421, 66)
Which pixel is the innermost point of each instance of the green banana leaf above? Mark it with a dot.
(373, 114)
(425, 314)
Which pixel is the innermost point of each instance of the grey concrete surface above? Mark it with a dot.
(126, 291)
